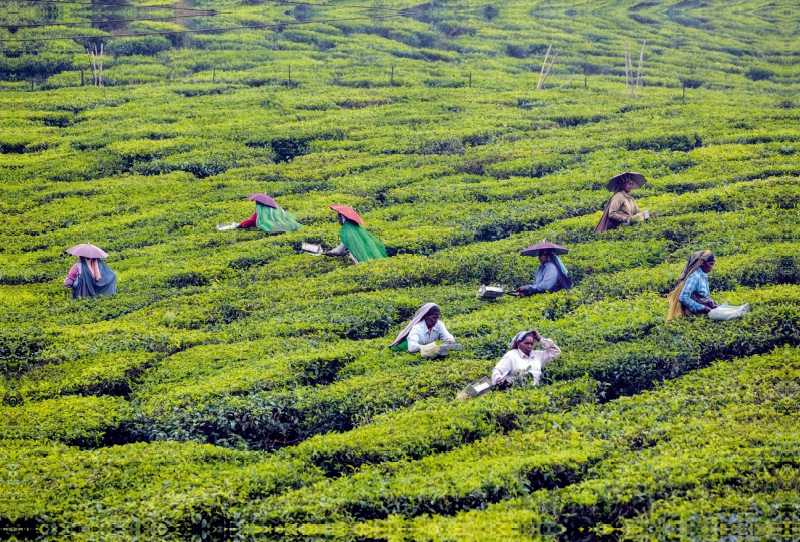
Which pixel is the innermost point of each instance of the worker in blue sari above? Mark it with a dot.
(90, 277)
(551, 276)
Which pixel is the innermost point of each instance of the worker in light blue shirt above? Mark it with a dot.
(551, 276)
(696, 292)
(430, 329)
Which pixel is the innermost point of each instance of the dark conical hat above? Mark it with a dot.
(617, 180)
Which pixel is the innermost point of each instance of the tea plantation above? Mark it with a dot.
(236, 387)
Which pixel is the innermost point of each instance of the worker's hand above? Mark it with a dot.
(706, 309)
(521, 291)
(536, 336)
(451, 341)
(714, 305)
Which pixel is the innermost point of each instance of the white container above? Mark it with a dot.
(314, 250)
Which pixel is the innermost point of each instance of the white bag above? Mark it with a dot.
(727, 312)
(489, 293)
(431, 351)
(481, 387)
(314, 250)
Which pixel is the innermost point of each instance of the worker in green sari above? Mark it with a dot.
(360, 244)
(269, 217)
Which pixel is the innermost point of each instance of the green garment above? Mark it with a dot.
(274, 220)
(402, 347)
(361, 243)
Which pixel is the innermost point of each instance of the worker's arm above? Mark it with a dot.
(444, 334)
(250, 222)
(414, 339)
(689, 287)
(341, 250)
(502, 368)
(71, 276)
(551, 351)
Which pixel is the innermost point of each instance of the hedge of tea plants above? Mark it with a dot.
(236, 386)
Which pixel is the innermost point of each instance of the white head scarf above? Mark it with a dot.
(416, 319)
(517, 339)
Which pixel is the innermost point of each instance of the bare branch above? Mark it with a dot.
(639, 72)
(548, 70)
(541, 73)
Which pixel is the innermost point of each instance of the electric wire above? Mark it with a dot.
(112, 21)
(202, 30)
(290, 2)
(74, 2)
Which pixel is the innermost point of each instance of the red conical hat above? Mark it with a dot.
(348, 212)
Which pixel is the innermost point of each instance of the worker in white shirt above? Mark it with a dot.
(430, 329)
(521, 358)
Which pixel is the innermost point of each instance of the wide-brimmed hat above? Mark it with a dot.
(544, 248)
(348, 212)
(617, 181)
(87, 250)
(263, 199)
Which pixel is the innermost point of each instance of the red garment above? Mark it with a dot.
(250, 222)
(74, 271)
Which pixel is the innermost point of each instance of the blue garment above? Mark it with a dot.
(86, 286)
(545, 280)
(697, 282)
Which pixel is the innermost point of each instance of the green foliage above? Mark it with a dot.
(145, 45)
(235, 382)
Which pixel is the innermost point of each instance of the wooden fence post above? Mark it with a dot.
(391, 77)
(470, 79)
(101, 64)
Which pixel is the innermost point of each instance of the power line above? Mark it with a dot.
(112, 21)
(335, 6)
(75, 2)
(399, 14)
(103, 5)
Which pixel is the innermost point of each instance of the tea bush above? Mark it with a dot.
(234, 382)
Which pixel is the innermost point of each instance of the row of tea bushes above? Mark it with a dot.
(622, 362)
(724, 427)
(718, 408)
(706, 419)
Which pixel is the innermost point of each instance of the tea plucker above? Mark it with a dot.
(360, 244)
(692, 295)
(425, 327)
(622, 208)
(522, 358)
(90, 276)
(551, 276)
(269, 216)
